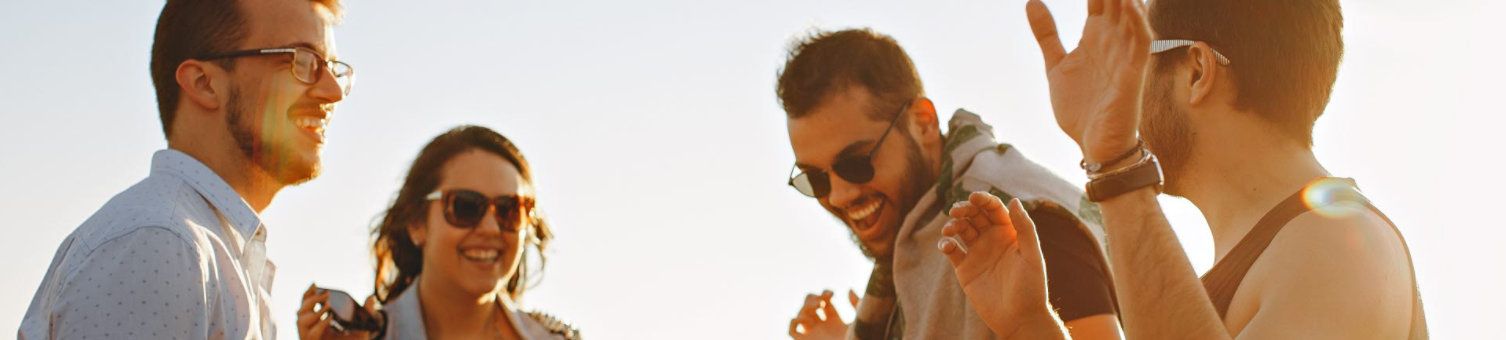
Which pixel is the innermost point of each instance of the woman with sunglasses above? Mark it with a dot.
(450, 251)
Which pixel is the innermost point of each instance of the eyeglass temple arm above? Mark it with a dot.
(1159, 46)
(892, 122)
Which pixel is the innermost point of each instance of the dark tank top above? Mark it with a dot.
(1223, 280)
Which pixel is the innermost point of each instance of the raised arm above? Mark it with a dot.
(1095, 94)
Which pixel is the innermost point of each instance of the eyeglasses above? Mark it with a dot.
(307, 64)
(466, 208)
(856, 169)
(1159, 46)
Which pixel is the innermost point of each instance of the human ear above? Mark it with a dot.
(923, 120)
(1205, 73)
(417, 231)
(197, 83)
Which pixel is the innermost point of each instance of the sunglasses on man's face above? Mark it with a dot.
(466, 208)
(856, 169)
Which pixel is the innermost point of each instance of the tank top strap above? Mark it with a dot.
(1224, 278)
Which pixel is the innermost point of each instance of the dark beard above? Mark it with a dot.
(920, 177)
(245, 139)
(1166, 133)
(251, 144)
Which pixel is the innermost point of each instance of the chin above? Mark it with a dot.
(482, 287)
(884, 248)
(300, 171)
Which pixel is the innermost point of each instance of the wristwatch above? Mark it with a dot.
(1146, 172)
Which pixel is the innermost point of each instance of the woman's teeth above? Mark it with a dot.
(482, 255)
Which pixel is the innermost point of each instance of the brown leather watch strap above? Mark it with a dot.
(1141, 175)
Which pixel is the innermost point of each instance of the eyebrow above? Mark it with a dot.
(851, 149)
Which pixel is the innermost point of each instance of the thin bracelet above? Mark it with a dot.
(1091, 168)
(1145, 157)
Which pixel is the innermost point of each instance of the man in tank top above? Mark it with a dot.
(1230, 91)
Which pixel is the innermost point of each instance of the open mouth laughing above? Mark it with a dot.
(864, 217)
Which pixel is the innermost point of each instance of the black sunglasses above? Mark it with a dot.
(466, 208)
(856, 169)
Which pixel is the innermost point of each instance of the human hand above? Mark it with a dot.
(1002, 272)
(1096, 89)
(825, 324)
(315, 324)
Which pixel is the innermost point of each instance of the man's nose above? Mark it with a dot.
(843, 193)
(327, 89)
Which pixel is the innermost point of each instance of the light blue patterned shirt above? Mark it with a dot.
(168, 258)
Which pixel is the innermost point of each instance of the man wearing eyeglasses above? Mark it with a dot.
(1230, 99)
(869, 148)
(245, 90)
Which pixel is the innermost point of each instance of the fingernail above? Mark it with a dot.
(959, 204)
(956, 242)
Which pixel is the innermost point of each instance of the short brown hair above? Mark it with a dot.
(828, 62)
(189, 29)
(1285, 53)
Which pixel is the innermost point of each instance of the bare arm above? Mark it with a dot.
(1095, 94)
(1160, 296)
(1306, 285)
(1097, 327)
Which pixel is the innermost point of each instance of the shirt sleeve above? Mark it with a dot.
(145, 284)
(1076, 275)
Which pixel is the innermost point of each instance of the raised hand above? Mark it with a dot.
(1002, 272)
(825, 324)
(1096, 89)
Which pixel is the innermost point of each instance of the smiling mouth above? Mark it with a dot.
(865, 216)
(481, 255)
(313, 124)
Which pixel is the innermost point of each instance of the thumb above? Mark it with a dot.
(1030, 244)
(1044, 27)
(853, 296)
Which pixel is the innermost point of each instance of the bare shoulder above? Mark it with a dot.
(1333, 274)
(1349, 246)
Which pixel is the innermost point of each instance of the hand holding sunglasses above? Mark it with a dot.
(465, 209)
(856, 169)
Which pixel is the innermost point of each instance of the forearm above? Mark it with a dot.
(1043, 325)
(1160, 296)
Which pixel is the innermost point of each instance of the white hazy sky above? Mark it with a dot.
(660, 150)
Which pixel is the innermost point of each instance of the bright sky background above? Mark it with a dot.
(660, 150)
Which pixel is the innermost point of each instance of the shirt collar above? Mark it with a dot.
(209, 184)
